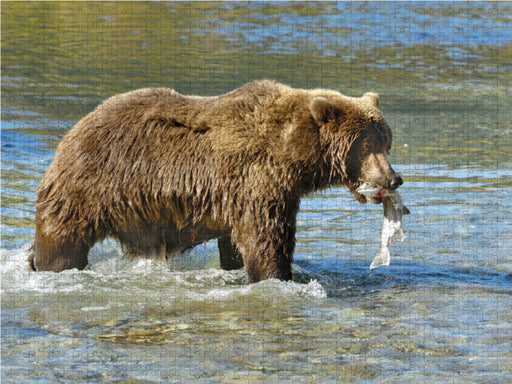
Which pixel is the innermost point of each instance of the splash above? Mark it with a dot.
(110, 274)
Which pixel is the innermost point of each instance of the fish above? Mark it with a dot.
(392, 222)
(370, 189)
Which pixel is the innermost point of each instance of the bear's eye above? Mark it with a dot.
(367, 147)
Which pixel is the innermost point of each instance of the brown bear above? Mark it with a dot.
(162, 172)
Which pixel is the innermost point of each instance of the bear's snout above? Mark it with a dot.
(377, 170)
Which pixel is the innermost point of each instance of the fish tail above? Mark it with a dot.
(382, 258)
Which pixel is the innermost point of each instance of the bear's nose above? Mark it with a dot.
(395, 182)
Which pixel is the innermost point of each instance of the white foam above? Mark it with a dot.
(94, 308)
(116, 276)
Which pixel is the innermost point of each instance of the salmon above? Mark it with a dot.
(392, 222)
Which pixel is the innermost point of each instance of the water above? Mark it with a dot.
(440, 313)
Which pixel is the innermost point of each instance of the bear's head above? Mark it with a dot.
(356, 141)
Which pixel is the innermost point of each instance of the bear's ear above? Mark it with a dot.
(322, 110)
(372, 97)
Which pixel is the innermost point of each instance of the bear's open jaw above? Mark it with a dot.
(370, 189)
(371, 192)
(374, 192)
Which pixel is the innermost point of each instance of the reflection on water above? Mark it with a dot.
(439, 313)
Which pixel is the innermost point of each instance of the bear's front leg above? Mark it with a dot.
(267, 252)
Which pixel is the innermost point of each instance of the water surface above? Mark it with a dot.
(440, 313)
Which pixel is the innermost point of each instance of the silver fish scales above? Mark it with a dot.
(392, 222)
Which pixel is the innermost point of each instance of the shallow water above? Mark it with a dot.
(440, 313)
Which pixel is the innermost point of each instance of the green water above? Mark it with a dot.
(440, 313)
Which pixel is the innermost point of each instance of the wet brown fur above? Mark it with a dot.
(162, 172)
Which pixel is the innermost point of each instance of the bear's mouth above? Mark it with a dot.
(371, 199)
(369, 191)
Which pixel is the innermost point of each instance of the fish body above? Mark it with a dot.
(391, 227)
(392, 222)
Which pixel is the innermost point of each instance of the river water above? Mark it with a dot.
(441, 312)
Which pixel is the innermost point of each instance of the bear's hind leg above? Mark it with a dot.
(49, 254)
(230, 258)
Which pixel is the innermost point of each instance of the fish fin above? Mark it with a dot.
(382, 258)
(398, 236)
